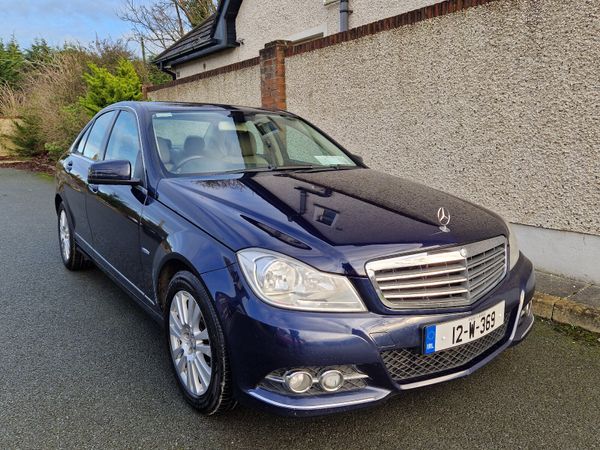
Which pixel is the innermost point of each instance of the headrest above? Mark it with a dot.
(193, 146)
(247, 143)
(230, 144)
(164, 149)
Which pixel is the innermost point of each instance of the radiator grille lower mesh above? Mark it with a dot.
(408, 364)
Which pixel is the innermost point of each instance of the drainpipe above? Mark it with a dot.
(167, 71)
(344, 14)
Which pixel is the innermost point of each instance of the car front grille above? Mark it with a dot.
(410, 364)
(443, 278)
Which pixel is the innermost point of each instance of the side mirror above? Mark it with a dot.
(117, 172)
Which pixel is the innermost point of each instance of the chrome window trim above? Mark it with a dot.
(91, 125)
(433, 255)
(139, 133)
(116, 109)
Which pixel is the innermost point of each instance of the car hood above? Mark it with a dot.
(335, 220)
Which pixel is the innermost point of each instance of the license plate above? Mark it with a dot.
(462, 331)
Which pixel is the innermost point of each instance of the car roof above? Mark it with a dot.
(181, 106)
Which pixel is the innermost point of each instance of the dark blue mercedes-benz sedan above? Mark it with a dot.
(287, 274)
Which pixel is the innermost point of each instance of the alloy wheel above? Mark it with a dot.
(65, 235)
(190, 344)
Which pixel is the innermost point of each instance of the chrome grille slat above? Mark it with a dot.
(440, 278)
(428, 293)
(494, 265)
(417, 273)
(414, 284)
(481, 290)
(475, 262)
(475, 284)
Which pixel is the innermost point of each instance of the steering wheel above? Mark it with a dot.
(186, 161)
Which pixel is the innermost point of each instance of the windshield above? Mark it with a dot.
(194, 142)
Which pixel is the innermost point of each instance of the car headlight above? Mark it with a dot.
(513, 247)
(285, 282)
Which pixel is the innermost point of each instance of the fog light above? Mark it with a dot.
(331, 380)
(298, 382)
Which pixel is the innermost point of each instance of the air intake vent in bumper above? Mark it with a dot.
(406, 365)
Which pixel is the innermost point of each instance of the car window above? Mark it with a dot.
(93, 146)
(302, 148)
(196, 142)
(177, 131)
(81, 143)
(124, 142)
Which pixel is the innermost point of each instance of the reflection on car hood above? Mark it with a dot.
(334, 220)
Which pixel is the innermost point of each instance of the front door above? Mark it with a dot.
(114, 212)
(74, 170)
(76, 165)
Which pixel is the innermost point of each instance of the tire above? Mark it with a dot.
(72, 257)
(196, 346)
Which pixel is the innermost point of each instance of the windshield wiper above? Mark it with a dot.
(314, 168)
(307, 167)
(297, 167)
(246, 170)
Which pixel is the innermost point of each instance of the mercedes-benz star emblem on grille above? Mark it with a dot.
(444, 218)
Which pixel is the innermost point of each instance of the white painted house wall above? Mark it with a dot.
(262, 21)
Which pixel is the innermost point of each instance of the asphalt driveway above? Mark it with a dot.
(82, 366)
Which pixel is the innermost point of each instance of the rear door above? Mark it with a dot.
(114, 212)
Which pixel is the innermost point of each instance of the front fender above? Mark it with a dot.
(195, 248)
(168, 238)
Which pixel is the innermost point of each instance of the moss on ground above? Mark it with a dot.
(45, 176)
(575, 333)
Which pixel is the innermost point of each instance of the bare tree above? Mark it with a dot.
(163, 22)
(197, 10)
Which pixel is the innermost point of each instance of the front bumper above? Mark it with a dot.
(263, 339)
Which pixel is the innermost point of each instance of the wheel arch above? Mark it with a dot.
(169, 266)
(57, 201)
(187, 249)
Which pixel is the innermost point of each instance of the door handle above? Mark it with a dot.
(69, 166)
(93, 188)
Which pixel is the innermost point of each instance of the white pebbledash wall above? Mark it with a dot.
(241, 87)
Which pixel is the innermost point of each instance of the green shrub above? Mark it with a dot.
(150, 74)
(59, 91)
(54, 150)
(26, 137)
(12, 61)
(105, 88)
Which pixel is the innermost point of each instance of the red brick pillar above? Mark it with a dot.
(272, 75)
